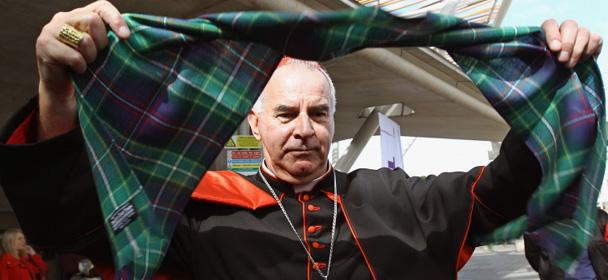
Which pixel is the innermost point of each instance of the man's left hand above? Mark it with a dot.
(570, 42)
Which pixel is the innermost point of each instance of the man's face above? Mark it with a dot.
(295, 124)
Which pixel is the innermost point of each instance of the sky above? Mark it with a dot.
(425, 156)
(588, 13)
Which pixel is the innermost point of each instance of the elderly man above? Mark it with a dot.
(297, 218)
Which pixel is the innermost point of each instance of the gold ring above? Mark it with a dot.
(70, 36)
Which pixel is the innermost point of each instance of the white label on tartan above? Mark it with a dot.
(122, 217)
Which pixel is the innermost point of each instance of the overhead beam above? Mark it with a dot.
(283, 5)
(365, 132)
(504, 7)
(398, 65)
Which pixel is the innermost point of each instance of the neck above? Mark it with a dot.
(15, 253)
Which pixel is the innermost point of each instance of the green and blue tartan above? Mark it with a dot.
(156, 109)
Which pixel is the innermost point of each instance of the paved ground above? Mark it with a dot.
(501, 262)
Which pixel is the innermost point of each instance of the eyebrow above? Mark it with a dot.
(319, 108)
(284, 108)
(287, 108)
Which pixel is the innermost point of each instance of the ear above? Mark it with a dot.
(253, 119)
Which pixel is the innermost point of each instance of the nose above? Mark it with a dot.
(304, 128)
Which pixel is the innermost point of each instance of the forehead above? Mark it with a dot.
(295, 83)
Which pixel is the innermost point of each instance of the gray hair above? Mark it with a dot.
(311, 65)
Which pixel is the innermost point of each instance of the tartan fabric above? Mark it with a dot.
(156, 109)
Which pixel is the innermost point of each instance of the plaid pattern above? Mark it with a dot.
(156, 109)
(560, 113)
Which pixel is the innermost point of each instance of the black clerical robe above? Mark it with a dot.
(389, 225)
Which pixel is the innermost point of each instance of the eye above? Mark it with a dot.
(284, 117)
(319, 114)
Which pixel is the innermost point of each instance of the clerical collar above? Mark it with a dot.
(307, 187)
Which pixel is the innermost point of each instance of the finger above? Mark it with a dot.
(581, 42)
(57, 52)
(99, 33)
(568, 30)
(112, 17)
(91, 23)
(87, 48)
(552, 35)
(595, 45)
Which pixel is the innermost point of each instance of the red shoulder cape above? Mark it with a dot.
(228, 187)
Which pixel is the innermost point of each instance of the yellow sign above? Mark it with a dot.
(247, 142)
(230, 143)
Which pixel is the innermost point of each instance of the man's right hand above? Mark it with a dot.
(55, 60)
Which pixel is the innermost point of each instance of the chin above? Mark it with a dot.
(303, 169)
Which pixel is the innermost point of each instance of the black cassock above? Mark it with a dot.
(389, 225)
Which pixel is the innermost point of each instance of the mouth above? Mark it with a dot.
(300, 151)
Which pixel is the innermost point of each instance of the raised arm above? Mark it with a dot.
(56, 59)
